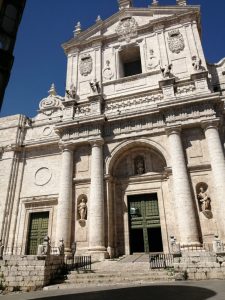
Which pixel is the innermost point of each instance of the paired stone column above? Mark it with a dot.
(185, 209)
(64, 208)
(96, 205)
(216, 155)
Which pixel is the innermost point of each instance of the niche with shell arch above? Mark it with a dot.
(204, 200)
(82, 209)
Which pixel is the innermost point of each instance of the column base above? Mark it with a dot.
(98, 253)
(191, 246)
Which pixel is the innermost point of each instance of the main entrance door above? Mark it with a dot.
(144, 223)
(38, 229)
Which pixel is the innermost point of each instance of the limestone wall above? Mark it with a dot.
(27, 273)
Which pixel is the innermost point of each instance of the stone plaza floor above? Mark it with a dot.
(185, 290)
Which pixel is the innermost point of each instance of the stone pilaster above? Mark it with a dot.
(96, 205)
(216, 155)
(184, 204)
(64, 208)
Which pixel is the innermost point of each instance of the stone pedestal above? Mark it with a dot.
(185, 209)
(218, 171)
(200, 79)
(167, 86)
(64, 208)
(96, 206)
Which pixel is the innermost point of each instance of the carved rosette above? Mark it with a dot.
(176, 41)
(86, 64)
(127, 29)
(51, 103)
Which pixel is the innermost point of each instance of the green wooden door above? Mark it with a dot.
(144, 219)
(38, 229)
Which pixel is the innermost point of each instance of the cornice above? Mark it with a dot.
(82, 39)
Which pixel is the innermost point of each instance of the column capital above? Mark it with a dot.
(96, 143)
(210, 124)
(66, 147)
(173, 130)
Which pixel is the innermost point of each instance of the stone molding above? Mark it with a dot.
(96, 143)
(123, 146)
(207, 124)
(87, 38)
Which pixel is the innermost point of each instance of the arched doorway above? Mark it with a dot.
(138, 183)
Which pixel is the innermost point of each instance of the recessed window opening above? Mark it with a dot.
(130, 62)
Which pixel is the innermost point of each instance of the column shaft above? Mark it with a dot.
(96, 206)
(185, 210)
(218, 171)
(64, 208)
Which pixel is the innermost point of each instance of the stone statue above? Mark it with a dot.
(95, 86)
(71, 93)
(139, 165)
(197, 63)
(61, 247)
(204, 199)
(107, 72)
(82, 209)
(166, 71)
(174, 246)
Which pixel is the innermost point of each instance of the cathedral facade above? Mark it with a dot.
(133, 156)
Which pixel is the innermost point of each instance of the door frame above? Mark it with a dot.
(137, 188)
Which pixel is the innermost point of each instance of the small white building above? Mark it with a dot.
(134, 152)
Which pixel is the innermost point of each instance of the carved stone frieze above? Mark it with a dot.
(133, 125)
(137, 103)
(176, 41)
(185, 90)
(86, 64)
(186, 113)
(127, 29)
(83, 131)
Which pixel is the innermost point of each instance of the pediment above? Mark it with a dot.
(142, 16)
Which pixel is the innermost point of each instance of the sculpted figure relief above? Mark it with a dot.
(107, 72)
(82, 209)
(153, 61)
(204, 199)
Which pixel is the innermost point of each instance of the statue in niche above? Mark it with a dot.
(166, 71)
(107, 72)
(197, 63)
(82, 209)
(139, 165)
(95, 86)
(204, 200)
(153, 61)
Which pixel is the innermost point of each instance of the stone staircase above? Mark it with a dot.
(129, 270)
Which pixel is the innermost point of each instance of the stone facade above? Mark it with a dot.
(112, 137)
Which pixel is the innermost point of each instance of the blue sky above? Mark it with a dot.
(46, 24)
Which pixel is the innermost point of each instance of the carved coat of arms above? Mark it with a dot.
(176, 41)
(86, 64)
(127, 29)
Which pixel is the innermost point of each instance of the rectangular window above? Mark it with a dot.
(130, 62)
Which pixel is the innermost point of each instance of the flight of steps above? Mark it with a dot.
(126, 271)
